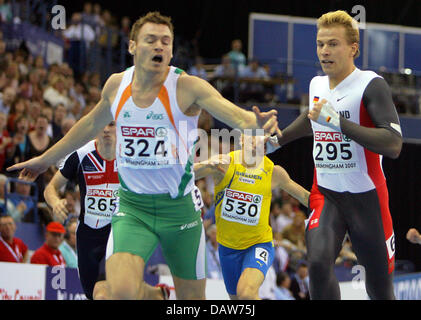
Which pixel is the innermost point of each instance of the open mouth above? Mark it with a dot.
(327, 62)
(157, 58)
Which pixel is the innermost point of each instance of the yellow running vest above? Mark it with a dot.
(242, 204)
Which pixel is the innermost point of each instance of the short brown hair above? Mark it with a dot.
(152, 17)
(342, 18)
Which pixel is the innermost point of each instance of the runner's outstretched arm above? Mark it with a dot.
(199, 92)
(281, 179)
(216, 167)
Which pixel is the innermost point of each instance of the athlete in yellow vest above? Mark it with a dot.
(243, 195)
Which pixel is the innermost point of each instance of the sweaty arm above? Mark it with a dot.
(51, 195)
(281, 179)
(216, 167)
(299, 128)
(196, 91)
(386, 137)
(68, 171)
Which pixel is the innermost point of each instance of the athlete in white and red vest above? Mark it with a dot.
(354, 124)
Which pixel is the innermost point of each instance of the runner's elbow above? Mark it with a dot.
(395, 149)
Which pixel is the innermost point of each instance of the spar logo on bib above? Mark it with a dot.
(135, 132)
(327, 136)
(100, 193)
(242, 196)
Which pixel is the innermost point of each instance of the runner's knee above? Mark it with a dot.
(247, 292)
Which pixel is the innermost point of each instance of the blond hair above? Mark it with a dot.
(152, 17)
(342, 18)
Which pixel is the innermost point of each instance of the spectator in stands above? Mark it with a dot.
(300, 283)
(3, 63)
(88, 16)
(109, 32)
(238, 58)
(282, 215)
(212, 255)
(67, 124)
(5, 11)
(79, 31)
(19, 107)
(20, 59)
(23, 202)
(268, 287)
(72, 205)
(39, 141)
(283, 285)
(77, 92)
(34, 111)
(281, 261)
(56, 93)
(60, 113)
(209, 217)
(68, 246)
(223, 77)
(197, 69)
(20, 141)
(6, 99)
(125, 26)
(293, 238)
(94, 95)
(38, 91)
(26, 87)
(12, 249)
(95, 81)
(39, 62)
(253, 91)
(5, 141)
(16, 212)
(79, 36)
(48, 111)
(50, 253)
(12, 74)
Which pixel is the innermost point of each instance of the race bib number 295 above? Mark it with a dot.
(334, 153)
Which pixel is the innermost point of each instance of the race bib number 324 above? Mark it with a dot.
(241, 207)
(146, 147)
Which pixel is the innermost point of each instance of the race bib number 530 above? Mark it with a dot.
(241, 207)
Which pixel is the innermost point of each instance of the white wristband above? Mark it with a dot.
(329, 117)
(269, 146)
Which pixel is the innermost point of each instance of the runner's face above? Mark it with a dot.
(335, 54)
(108, 134)
(7, 228)
(153, 48)
(253, 149)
